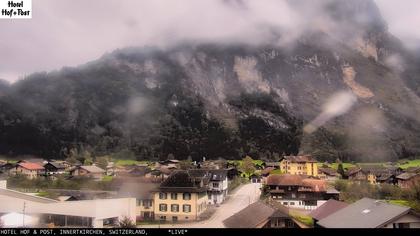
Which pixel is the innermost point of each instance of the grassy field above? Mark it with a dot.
(411, 163)
(129, 162)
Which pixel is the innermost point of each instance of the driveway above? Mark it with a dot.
(241, 198)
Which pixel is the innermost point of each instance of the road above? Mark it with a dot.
(241, 198)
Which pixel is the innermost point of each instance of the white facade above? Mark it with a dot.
(97, 210)
(218, 191)
(297, 204)
(3, 183)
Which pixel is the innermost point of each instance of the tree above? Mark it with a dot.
(247, 166)
(126, 222)
(88, 160)
(102, 162)
(340, 170)
(185, 165)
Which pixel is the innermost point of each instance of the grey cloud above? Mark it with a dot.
(71, 32)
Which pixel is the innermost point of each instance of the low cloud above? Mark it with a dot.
(71, 32)
(338, 104)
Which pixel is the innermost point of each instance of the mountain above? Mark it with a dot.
(228, 100)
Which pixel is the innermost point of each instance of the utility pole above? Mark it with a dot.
(24, 208)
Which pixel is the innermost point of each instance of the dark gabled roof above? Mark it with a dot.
(218, 175)
(328, 171)
(57, 165)
(300, 159)
(365, 213)
(251, 216)
(327, 209)
(198, 173)
(272, 164)
(384, 177)
(182, 181)
(353, 170)
(139, 170)
(406, 176)
(267, 170)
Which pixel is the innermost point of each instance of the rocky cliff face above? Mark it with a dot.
(219, 100)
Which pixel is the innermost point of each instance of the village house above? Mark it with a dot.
(371, 213)
(374, 174)
(42, 212)
(181, 197)
(8, 168)
(274, 165)
(216, 182)
(88, 171)
(30, 170)
(144, 194)
(217, 187)
(261, 215)
(54, 168)
(299, 165)
(408, 180)
(110, 169)
(170, 164)
(328, 174)
(326, 209)
(298, 191)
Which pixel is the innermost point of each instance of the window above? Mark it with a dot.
(138, 202)
(174, 207)
(174, 218)
(292, 203)
(163, 207)
(147, 203)
(186, 196)
(162, 218)
(186, 208)
(162, 195)
(174, 196)
(285, 203)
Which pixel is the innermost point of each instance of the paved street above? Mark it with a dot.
(241, 198)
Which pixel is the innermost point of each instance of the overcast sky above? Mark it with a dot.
(72, 32)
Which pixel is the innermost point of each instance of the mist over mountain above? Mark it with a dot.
(338, 85)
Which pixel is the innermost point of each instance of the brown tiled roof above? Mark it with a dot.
(267, 170)
(31, 166)
(305, 158)
(413, 169)
(406, 176)
(353, 170)
(327, 209)
(328, 171)
(252, 216)
(285, 180)
(317, 185)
